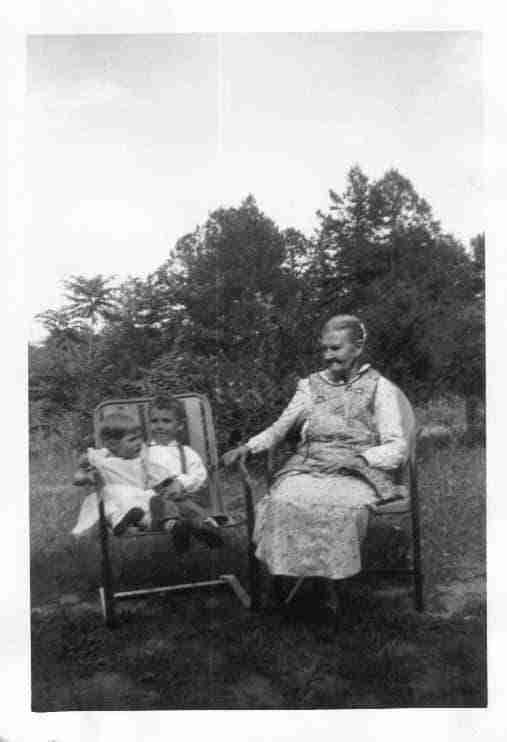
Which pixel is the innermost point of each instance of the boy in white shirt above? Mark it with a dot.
(173, 506)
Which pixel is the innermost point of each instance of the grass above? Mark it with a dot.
(206, 651)
(448, 410)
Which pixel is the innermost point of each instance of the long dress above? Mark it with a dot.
(311, 524)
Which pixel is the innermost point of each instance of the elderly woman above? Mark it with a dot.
(313, 520)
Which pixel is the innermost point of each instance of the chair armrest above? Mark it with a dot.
(247, 483)
(382, 505)
(246, 479)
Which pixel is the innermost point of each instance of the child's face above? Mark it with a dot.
(128, 447)
(165, 426)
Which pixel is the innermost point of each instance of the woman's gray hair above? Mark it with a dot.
(350, 322)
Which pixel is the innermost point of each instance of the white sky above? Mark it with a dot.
(133, 140)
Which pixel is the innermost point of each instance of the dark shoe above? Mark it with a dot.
(209, 535)
(180, 533)
(131, 518)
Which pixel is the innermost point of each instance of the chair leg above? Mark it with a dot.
(294, 590)
(416, 541)
(254, 574)
(418, 574)
(418, 591)
(107, 590)
(339, 606)
(253, 562)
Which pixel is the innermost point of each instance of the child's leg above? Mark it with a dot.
(192, 511)
(124, 506)
(162, 510)
(166, 515)
(202, 527)
(183, 518)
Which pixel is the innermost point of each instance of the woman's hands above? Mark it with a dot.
(352, 461)
(231, 457)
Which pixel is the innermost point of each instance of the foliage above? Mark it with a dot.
(236, 308)
(91, 299)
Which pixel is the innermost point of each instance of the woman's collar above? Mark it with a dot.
(360, 371)
(171, 443)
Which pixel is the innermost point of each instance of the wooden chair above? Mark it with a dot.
(199, 433)
(397, 508)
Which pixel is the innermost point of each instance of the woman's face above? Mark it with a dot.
(340, 353)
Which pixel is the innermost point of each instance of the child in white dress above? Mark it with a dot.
(119, 470)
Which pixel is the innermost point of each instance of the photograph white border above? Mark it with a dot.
(17, 722)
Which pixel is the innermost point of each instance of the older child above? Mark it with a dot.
(174, 505)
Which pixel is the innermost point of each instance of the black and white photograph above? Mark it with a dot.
(256, 370)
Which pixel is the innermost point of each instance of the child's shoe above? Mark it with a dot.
(208, 534)
(131, 518)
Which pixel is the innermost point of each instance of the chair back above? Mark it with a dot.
(408, 423)
(198, 432)
(407, 473)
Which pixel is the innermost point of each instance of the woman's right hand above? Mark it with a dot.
(230, 457)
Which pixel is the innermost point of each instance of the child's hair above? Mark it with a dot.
(116, 425)
(168, 402)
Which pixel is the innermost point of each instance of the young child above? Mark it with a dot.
(119, 468)
(185, 474)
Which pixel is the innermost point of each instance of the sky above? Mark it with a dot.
(132, 140)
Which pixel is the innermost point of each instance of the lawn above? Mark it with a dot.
(205, 651)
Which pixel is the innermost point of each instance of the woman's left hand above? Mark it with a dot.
(230, 457)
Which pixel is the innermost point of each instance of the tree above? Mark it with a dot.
(390, 263)
(91, 299)
(223, 274)
(478, 247)
(56, 367)
(462, 335)
(235, 309)
(65, 334)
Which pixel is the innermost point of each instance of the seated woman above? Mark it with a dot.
(313, 520)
